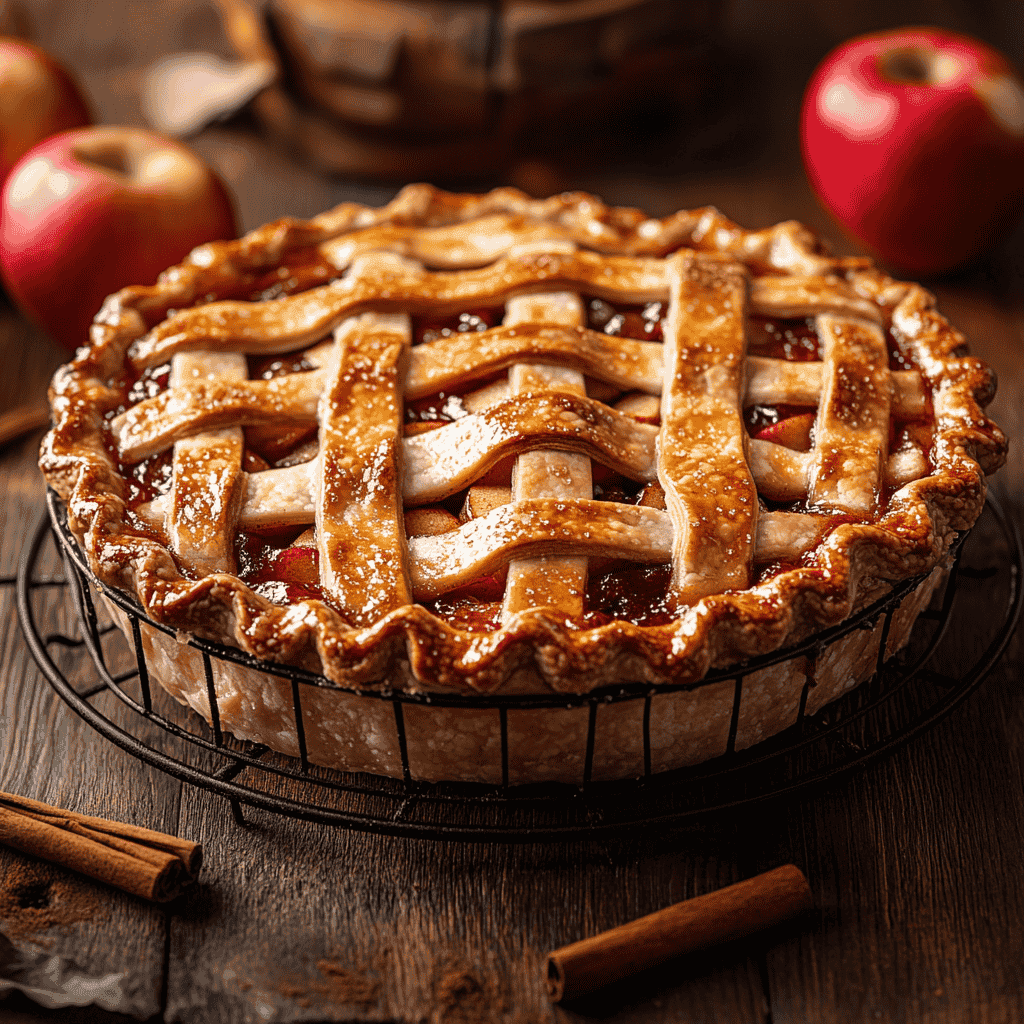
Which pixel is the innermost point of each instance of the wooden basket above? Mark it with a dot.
(448, 89)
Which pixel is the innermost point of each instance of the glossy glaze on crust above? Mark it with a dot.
(407, 645)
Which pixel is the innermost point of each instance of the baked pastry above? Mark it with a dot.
(486, 443)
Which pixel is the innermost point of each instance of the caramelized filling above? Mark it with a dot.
(638, 595)
(757, 417)
(147, 479)
(137, 388)
(793, 340)
(610, 486)
(465, 611)
(440, 408)
(269, 367)
(306, 269)
(773, 569)
(898, 359)
(430, 328)
(274, 568)
(275, 444)
(643, 322)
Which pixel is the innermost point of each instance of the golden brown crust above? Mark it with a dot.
(910, 536)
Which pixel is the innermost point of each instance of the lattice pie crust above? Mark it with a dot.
(617, 452)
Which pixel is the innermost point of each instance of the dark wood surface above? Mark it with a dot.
(915, 864)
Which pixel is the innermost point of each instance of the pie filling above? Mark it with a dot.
(761, 431)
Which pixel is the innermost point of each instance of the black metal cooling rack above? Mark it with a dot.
(908, 694)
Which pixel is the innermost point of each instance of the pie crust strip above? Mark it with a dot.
(702, 465)
(577, 217)
(449, 247)
(780, 472)
(359, 529)
(852, 428)
(534, 528)
(284, 497)
(280, 497)
(193, 407)
(545, 581)
(206, 476)
(777, 381)
(449, 458)
(624, 362)
(389, 282)
(453, 247)
(544, 526)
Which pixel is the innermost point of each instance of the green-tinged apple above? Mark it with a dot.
(914, 140)
(38, 99)
(90, 211)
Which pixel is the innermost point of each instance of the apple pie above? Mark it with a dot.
(490, 444)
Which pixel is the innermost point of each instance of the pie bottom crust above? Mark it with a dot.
(357, 733)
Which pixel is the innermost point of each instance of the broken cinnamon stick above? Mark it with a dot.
(149, 864)
(708, 920)
(22, 420)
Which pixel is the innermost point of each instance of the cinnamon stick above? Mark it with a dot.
(22, 420)
(149, 864)
(716, 917)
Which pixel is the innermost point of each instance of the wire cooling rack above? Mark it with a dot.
(950, 653)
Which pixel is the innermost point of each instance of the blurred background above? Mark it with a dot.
(658, 104)
(652, 103)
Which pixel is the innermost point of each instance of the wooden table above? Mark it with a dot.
(915, 864)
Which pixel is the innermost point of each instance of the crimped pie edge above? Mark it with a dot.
(412, 648)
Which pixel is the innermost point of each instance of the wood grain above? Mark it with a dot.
(428, 930)
(914, 864)
(48, 754)
(23, 419)
(917, 921)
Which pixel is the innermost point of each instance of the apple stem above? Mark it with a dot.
(916, 66)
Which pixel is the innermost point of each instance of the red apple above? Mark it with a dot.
(90, 211)
(37, 99)
(914, 140)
